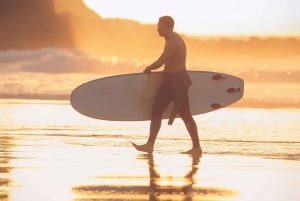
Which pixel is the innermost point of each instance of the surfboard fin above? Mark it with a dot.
(217, 77)
(233, 90)
(215, 106)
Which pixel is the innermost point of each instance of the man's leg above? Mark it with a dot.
(191, 126)
(163, 98)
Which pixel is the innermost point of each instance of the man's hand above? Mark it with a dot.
(147, 70)
(171, 119)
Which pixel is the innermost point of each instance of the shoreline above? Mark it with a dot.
(65, 100)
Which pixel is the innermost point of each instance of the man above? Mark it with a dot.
(174, 87)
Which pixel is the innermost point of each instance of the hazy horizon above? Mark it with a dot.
(52, 73)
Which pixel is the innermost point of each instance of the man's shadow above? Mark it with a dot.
(155, 189)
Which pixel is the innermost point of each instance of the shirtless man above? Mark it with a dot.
(174, 87)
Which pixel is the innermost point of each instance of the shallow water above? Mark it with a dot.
(272, 133)
(50, 152)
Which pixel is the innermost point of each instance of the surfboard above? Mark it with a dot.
(130, 97)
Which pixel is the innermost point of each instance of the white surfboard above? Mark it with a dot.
(130, 97)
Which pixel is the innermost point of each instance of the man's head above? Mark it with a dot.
(165, 25)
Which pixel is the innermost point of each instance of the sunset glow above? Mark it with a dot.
(215, 17)
(52, 150)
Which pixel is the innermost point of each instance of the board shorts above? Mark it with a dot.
(172, 83)
(179, 79)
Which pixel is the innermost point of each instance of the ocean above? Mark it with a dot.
(51, 152)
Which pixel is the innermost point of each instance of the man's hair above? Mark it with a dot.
(168, 20)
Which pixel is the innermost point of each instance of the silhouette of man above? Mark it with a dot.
(174, 87)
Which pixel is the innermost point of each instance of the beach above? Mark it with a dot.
(50, 152)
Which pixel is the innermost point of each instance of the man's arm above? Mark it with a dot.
(157, 64)
(168, 51)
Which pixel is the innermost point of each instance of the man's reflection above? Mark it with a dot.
(156, 189)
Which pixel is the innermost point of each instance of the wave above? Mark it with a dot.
(52, 74)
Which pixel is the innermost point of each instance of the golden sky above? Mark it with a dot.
(219, 17)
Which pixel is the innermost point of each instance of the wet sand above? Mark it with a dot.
(59, 172)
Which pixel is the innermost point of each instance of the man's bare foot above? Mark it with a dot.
(148, 147)
(194, 151)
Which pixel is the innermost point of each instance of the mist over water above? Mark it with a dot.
(52, 73)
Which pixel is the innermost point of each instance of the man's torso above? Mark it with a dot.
(177, 61)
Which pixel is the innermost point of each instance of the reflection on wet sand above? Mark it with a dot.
(156, 190)
(181, 188)
(5, 169)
